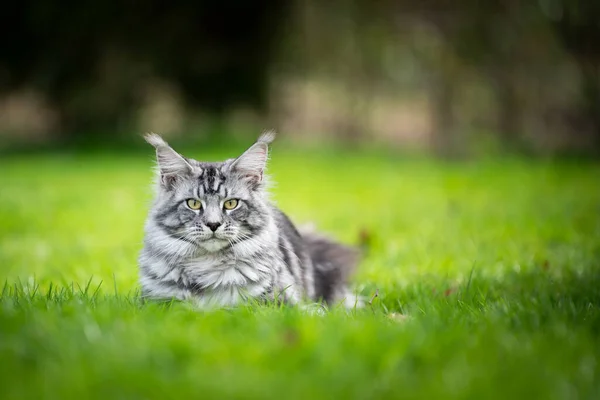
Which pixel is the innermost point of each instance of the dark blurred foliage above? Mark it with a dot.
(215, 52)
(502, 37)
(526, 71)
(578, 27)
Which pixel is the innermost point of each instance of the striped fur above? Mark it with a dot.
(216, 257)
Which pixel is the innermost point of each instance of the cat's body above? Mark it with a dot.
(214, 238)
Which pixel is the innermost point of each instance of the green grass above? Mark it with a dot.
(488, 277)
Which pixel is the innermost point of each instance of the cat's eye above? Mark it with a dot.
(193, 204)
(230, 204)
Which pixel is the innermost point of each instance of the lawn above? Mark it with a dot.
(487, 275)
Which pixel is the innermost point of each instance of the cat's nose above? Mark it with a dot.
(213, 225)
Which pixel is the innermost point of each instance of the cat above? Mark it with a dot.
(212, 237)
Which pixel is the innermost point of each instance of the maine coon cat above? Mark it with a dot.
(213, 237)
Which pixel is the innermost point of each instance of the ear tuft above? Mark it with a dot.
(267, 137)
(252, 163)
(155, 140)
(170, 163)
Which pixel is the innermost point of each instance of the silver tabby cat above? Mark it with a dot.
(213, 237)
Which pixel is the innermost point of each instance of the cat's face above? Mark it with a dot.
(211, 206)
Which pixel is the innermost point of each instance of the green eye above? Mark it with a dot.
(230, 204)
(193, 204)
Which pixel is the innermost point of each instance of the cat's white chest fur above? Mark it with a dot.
(224, 281)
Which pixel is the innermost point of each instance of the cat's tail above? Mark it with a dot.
(334, 264)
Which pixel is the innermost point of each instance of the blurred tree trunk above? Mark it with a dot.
(509, 114)
(445, 139)
(591, 97)
(353, 72)
(579, 30)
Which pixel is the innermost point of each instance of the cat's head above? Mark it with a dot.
(211, 206)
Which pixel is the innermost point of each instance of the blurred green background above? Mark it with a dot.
(455, 143)
(453, 78)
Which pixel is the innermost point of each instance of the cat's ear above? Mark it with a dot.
(251, 165)
(171, 164)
